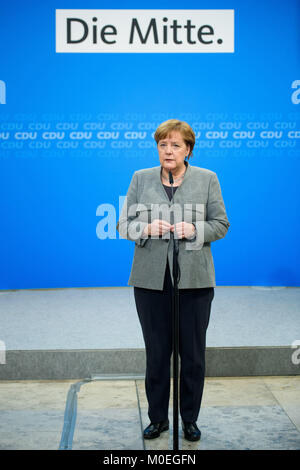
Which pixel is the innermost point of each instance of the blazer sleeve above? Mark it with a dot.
(127, 226)
(216, 224)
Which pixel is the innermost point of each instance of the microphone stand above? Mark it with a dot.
(175, 317)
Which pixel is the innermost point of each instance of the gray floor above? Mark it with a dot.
(105, 318)
(237, 413)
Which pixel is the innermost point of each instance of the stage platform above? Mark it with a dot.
(75, 333)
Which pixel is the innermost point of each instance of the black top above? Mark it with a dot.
(169, 190)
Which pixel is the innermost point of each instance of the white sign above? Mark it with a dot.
(150, 31)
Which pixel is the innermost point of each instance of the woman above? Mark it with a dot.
(196, 218)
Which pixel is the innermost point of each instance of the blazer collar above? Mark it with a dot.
(186, 176)
(160, 185)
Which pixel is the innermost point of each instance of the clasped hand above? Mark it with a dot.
(160, 227)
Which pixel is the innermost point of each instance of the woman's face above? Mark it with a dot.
(172, 151)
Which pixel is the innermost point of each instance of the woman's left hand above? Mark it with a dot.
(184, 230)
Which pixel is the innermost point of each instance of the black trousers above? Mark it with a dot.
(154, 308)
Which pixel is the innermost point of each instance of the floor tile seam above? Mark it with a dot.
(235, 406)
(140, 415)
(44, 409)
(28, 432)
(116, 408)
(268, 386)
(144, 406)
(242, 406)
(92, 381)
(282, 407)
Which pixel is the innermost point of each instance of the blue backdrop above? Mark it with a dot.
(65, 150)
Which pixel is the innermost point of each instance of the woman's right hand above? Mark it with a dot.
(157, 227)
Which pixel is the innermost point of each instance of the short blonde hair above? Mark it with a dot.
(174, 125)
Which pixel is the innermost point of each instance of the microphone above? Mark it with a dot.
(176, 244)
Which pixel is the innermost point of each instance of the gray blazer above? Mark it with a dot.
(197, 200)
